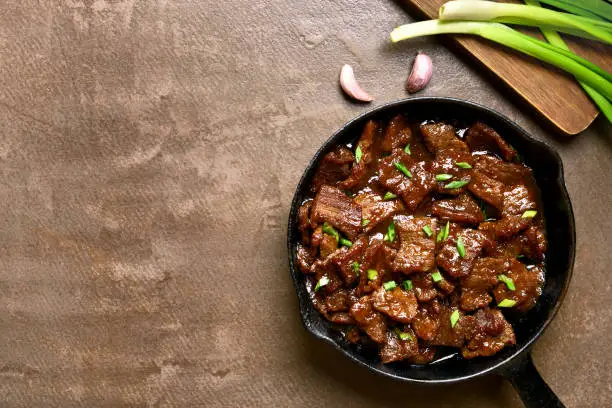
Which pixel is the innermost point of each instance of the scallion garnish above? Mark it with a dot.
(356, 267)
(407, 284)
(436, 276)
(322, 282)
(403, 335)
(390, 235)
(427, 230)
(457, 184)
(443, 177)
(389, 285)
(358, 154)
(328, 229)
(407, 149)
(454, 318)
(372, 274)
(443, 234)
(520, 256)
(507, 303)
(364, 222)
(389, 196)
(464, 165)
(508, 281)
(345, 242)
(529, 214)
(403, 169)
(460, 247)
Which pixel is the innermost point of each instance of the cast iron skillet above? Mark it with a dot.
(515, 362)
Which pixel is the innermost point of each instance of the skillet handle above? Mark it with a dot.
(530, 386)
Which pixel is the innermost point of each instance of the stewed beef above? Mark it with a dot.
(421, 237)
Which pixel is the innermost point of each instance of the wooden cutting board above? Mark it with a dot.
(554, 94)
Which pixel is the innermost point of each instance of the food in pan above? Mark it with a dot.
(423, 237)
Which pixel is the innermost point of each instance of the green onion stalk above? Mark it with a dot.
(583, 70)
(596, 9)
(478, 10)
(555, 39)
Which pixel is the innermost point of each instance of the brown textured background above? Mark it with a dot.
(148, 154)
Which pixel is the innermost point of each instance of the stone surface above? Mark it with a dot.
(149, 153)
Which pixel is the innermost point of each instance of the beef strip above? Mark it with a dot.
(376, 210)
(341, 318)
(329, 245)
(446, 163)
(369, 320)
(530, 243)
(305, 256)
(375, 258)
(489, 332)
(508, 173)
(452, 262)
(396, 349)
(463, 210)
(440, 136)
(397, 134)
(359, 171)
(304, 221)
(426, 322)
(517, 199)
(334, 207)
(416, 253)
(411, 189)
(433, 325)
(346, 258)
(481, 137)
(334, 167)
(528, 284)
(487, 189)
(338, 301)
(424, 287)
(425, 354)
(476, 286)
(398, 304)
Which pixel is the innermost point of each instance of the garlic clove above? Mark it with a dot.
(351, 87)
(420, 74)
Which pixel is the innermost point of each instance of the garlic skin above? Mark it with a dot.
(349, 85)
(420, 74)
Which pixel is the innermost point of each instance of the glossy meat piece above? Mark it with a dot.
(528, 283)
(445, 162)
(359, 171)
(425, 354)
(535, 241)
(423, 286)
(304, 221)
(427, 321)
(487, 189)
(440, 136)
(476, 286)
(369, 320)
(417, 250)
(508, 173)
(433, 325)
(376, 258)
(305, 257)
(463, 210)
(376, 210)
(346, 257)
(448, 257)
(481, 137)
(328, 246)
(338, 301)
(326, 267)
(333, 206)
(411, 189)
(397, 134)
(489, 332)
(335, 167)
(341, 318)
(396, 349)
(397, 304)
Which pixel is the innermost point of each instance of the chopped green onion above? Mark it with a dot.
(454, 318)
(529, 214)
(443, 234)
(356, 267)
(322, 282)
(389, 285)
(464, 165)
(364, 222)
(403, 335)
(427, 230)
(345, 242)
(407, 149)
(328, 229)
(358, 154)
(520, 256)
(443, 177)
(581, 68)
(508, 281)
(437, 276)
(457, 184)
(389, 196)
(403, 169)
(390, 235)
(507, 303)
(407, 284)
(372, 274)
(460, 247)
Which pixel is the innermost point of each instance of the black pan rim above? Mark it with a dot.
(295, 204)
